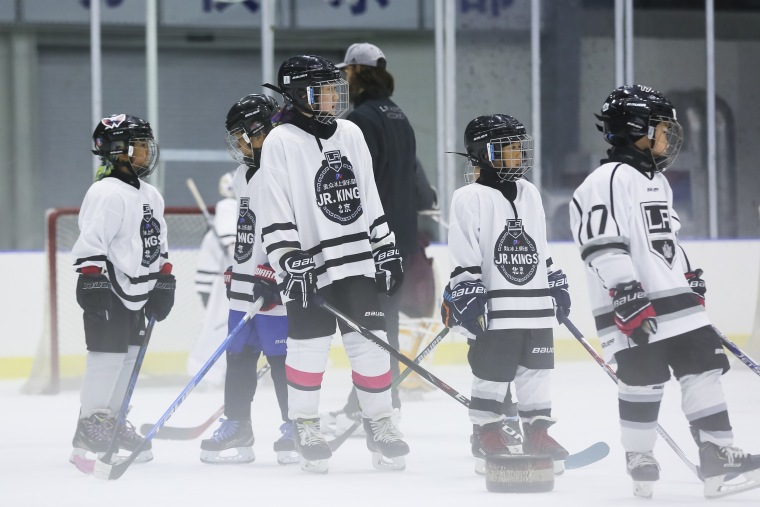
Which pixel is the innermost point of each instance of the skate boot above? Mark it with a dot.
(717, 462)
(93, 434)
(285, 447)
(129, 440)
(311, 445)
(384, 441)
(644, 470)
(233, 436)
(538, 441)
(500, 438)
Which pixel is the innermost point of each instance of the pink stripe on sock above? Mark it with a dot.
(303, 378)
(380, 382)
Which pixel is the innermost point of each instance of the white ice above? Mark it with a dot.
(36, 436)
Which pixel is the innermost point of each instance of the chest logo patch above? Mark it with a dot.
(246, 231)
(657, 223)
(515, 254)
(150, 232)
(336, 189)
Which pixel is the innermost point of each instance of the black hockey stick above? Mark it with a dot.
(87, 465)
(600, 361)
(744, 358)
(182, 433)
(338, 441)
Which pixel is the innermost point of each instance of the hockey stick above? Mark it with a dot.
(182, 433)
(338, 441)
(112, 471)
(209, 221)
(87, 465)
(610, 372)
(744, 358)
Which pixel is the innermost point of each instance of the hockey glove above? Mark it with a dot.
(389, 274)
(300, 281)
(560, 292)
(161, 298)
(465, 308)
(697, 284)
(228, 280)
(634, 314)
(265, 286)
(94, 292)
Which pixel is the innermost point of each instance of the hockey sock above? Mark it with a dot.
(704, 404)
(280, 383)
(304, 368)
(533, 390)
(240, 383)
(639, 407)
(371, 373)
(100, 378)
(487, 400)
(120, 389)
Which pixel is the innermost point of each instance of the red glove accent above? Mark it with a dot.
(91, 270)
(166, 269)
(636, 321)
(266, 272)
(267, 288)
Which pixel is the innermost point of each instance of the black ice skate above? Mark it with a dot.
(500, 438)
(384, 441)
(129, 440)
(311, 445)
(644, 470)
(716, 462)
(93, 435)
(285, 447)
(236, 437)
(538, 441)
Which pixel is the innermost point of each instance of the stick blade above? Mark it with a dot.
(592, 454)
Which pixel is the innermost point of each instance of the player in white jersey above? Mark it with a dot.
(121, 256)
(248, 123)
(213, 258)
(502, 292)
(646, 298)
(324, 229)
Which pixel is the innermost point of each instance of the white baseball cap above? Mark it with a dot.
(362, 53)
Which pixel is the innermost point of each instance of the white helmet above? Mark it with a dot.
(225, 186)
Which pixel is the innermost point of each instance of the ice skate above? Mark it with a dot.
(716, 462)
(236, 437)
(311, 445)
(538, 441)
(499, 438)
(285, 447)
(644, 470)
(93, 435)
(129, 441)
(384, 441)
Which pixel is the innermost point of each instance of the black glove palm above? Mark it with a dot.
(161, 298)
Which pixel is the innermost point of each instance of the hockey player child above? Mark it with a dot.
(124, 275)
(248, 122)
(502, 292)
(639, 279)
(324, 228)
(213, 258)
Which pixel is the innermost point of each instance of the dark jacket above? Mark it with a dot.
(391, 143)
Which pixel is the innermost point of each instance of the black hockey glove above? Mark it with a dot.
(389, 274)
(265, 286)
(560, 292)
(161, 298)
(228, 280)
(300, 280)
(465, 308)
(94, 293)
(697, 284)
(634, 314)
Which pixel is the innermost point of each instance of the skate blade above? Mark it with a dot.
(480, 466)
(315, 466)
(240, 456)
(643, 489)
(381, 462)
(716, 487)
(288, 457)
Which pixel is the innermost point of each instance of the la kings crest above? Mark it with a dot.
(336, 189)
(515, 254)
(150, 231)
(659, 232)
(246, 231)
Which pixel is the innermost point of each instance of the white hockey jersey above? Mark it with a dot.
(625, 227)
(213, 257)
(503, 245)
(248, 252)
(123, 231)
(322, 201)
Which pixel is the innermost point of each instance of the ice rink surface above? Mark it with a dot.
(37, 431)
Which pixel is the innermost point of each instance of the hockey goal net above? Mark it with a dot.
(60, 357)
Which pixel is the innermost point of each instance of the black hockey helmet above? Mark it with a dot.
(632, 112)
(485, 139)
(247, 118)
(314, 86)
(123, 134)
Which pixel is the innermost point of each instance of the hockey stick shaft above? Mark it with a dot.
(104, 470)
(204, 209)
(600, 361)
(422, 372)
(739, 353)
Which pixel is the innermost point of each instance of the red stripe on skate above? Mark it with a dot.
(303, 378)
(380, 382)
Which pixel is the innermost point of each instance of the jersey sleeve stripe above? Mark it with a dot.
(283, 244)
(92, 258)
(342, 240)
(475, 270)
(520, 314)
(380, 238)
(612, 197)
(580, 221)
(346, 259)
(377, 223)
(604, 245)
(664, 306)
(282, 226)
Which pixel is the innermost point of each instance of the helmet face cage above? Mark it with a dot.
(328, 99)
(143, 155)
(240, 145)
(511, 156)
(672, 137)
(248, 119)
